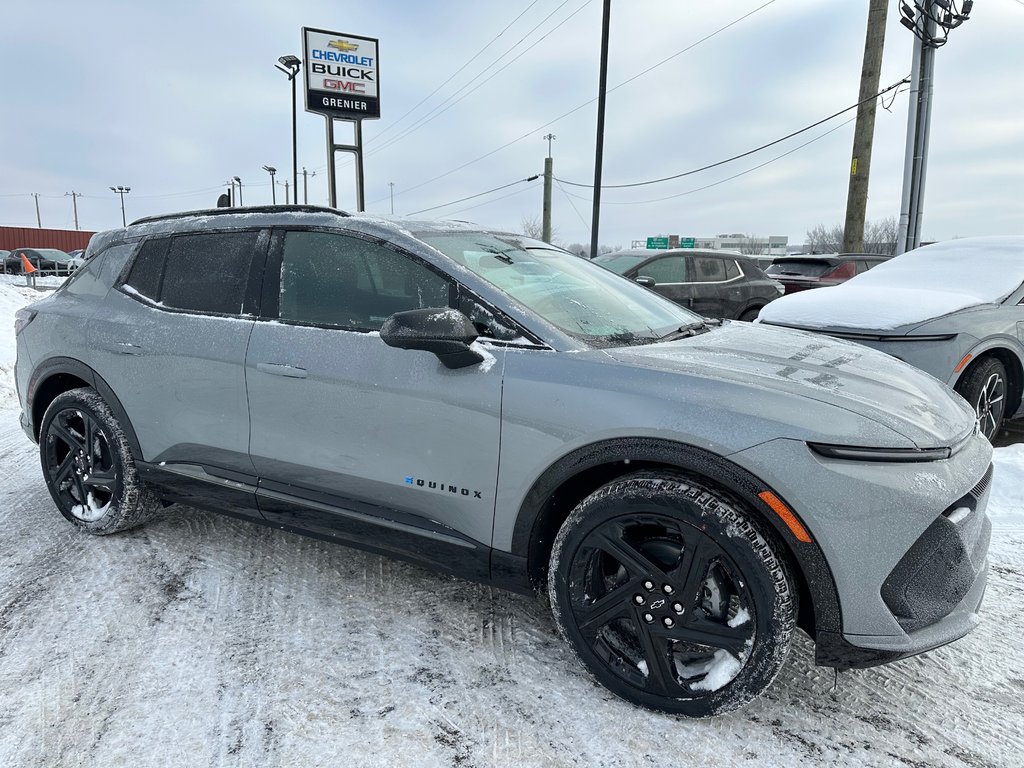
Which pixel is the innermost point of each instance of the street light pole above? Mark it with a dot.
(122, 191)
(305, 186)
(273, 190)
(290, 66)
(238, 181)
(392, 185)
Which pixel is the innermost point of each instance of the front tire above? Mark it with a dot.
(671, 596)
(984, 387)
(88, 465)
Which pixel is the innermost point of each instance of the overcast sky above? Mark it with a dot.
(174, 99)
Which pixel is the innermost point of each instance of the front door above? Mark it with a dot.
(358, 429)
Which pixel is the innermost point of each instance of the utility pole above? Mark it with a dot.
(931, 22)
(864, 132)
(602, 94)
(74, 204)
(286, 191)
(392, 185)
(305, 186)
(548, 175)
(39, 221)
(238, 181)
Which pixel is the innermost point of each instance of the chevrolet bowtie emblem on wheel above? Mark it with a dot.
(657, 604)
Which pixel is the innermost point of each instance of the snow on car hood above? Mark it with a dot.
(864, 307)
(920, 285)
(839, 373)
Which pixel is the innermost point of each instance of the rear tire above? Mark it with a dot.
(88, 465)
(671, 596)
(984, 387)
(750, 315)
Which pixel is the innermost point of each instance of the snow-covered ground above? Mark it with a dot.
(203, 640)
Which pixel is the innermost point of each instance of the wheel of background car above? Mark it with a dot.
(88, 466)
(984, 387)
(671, 595)
(750, 315)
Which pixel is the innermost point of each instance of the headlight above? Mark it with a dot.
(855, 453)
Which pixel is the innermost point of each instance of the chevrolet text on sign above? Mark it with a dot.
(341, 74)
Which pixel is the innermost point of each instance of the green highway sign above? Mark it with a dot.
(660, 243)
(685, 242)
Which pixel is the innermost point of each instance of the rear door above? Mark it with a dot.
(171, 343)
(708, 274)
(347, 431)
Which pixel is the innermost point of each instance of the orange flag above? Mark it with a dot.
(26, 265)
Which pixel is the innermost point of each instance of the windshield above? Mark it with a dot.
(582, 299)
(803, 267)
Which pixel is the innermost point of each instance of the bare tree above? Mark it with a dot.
(751, 246)
(880, 236)
(531, 226)
(822, 239)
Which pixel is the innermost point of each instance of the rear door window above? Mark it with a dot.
(708, 270)
(199, 273)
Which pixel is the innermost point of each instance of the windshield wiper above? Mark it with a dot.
(691, 329)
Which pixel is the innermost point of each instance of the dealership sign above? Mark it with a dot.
(341, 74)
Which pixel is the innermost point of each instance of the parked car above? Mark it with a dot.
(689, 491)
(800, 272)
(720, 284)
(953, 309)
(77, 259)
(48, 261)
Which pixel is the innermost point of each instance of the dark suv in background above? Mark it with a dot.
(722, 284)
(802, 271)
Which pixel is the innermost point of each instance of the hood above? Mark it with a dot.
(859, 307)
(842, 374)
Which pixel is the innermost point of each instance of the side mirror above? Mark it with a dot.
(646, 282)
(445, 332)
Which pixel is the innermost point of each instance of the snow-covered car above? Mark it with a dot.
(76, 259)
(689, 491)
(954, 309)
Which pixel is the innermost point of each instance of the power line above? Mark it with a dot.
(584, 104)
(743, 154)
(444, 106)
(487, 202)
(473, 58)
(569, 197)
(722, 181)
(479, 194)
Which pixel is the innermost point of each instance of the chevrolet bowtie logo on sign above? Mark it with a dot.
(343, 45)
(341, 74)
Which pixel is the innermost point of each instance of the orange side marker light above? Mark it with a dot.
(962, 363)
(780, 509)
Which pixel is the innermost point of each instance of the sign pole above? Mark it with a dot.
(332, 188)
(359, 165)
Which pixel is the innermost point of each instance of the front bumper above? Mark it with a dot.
(906, 544)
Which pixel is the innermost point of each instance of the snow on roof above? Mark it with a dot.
(919, 285)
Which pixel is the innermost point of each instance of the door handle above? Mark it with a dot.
(277, 369)
(124, 348)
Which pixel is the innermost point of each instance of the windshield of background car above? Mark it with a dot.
(801, 267)
(578, 297)
(620, 264)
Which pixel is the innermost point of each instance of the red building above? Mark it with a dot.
(31, 237)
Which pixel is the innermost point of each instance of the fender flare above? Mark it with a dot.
(528, 537)
(57, 366)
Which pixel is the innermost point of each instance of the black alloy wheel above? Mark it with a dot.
(88, 466)
(670, 596)
(984, 387)
(80, 464)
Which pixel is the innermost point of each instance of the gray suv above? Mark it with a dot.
(690, 492)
